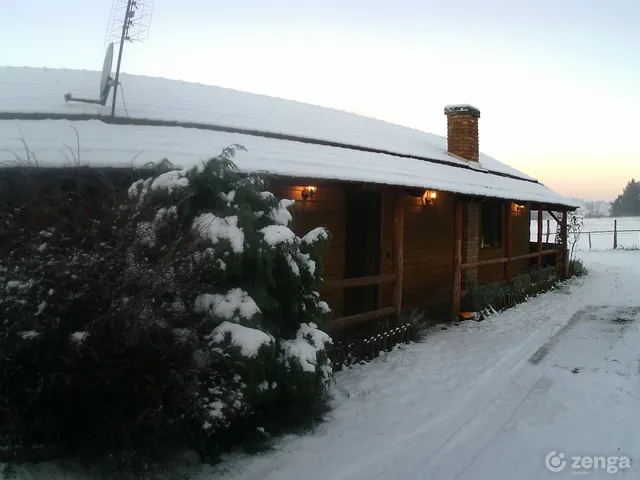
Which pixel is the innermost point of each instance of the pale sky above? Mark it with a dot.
(557, 81)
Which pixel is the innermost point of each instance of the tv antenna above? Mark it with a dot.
(135, 27)
(129, 20)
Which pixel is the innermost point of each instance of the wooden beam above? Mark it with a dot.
(363, 281)
(528, 256)
(525, 256)
(508, 241)
(457, 260)
(565, 234)
(398, 252)
(539, 262)
(558, 221)
(483, 263)
(496, 261)
(360, 318)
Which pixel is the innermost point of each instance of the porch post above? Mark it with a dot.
(565, 252)
(508, 237)
(539, 259)
(457, 260)
(398, 252)
(548, 229)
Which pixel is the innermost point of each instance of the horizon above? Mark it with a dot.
(557, 102)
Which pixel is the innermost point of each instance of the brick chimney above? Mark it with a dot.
(462, 131)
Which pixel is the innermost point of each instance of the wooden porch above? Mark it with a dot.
(508, 259)
(393, 249)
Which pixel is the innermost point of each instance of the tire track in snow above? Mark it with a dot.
(525, 381)
(542, 352)
(463, 414)
(502, 424)
(622, 317)
(522, 378)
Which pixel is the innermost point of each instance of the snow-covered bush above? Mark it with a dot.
(577, 268)
(184, 314)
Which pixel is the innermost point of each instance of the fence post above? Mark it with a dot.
(615, 234)
(589, 241)
(548, 229)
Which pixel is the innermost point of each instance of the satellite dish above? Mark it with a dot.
(105, 81)
(106, 73)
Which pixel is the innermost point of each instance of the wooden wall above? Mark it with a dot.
(428, 253)
(519, 246)
(325, 209)
(428, 244)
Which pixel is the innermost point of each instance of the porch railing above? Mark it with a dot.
(502, 260)
(364, 316)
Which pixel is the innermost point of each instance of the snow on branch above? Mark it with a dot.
(249, 340)
(305, 347)
(216, 228)
(235, 304)
(318, 234)
(275, 234)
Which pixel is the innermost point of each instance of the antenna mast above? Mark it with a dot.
(135, 16)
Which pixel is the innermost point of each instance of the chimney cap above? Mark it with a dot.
(462, 109)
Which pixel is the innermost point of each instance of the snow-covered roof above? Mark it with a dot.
(40, 90)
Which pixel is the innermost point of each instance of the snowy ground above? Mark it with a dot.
(490, 399)
(486, 400)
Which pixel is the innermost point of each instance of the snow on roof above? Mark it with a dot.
(54, 142)
(41, 90)
(24, 89)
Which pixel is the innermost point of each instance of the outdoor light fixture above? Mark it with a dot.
(517, 208)
(429, 197)
(308, 192)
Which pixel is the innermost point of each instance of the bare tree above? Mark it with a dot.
(574, 230)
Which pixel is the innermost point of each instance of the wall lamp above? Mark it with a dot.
(429, 197)
(517, 208)
(308, 192)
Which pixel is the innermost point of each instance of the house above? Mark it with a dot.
(416, 219)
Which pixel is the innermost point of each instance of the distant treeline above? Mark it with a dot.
(628, 203)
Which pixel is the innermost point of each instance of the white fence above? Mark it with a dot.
(597, 233)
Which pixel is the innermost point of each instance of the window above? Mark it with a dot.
(491, 225)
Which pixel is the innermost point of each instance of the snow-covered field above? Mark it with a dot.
(487, 400)
(599, 241)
